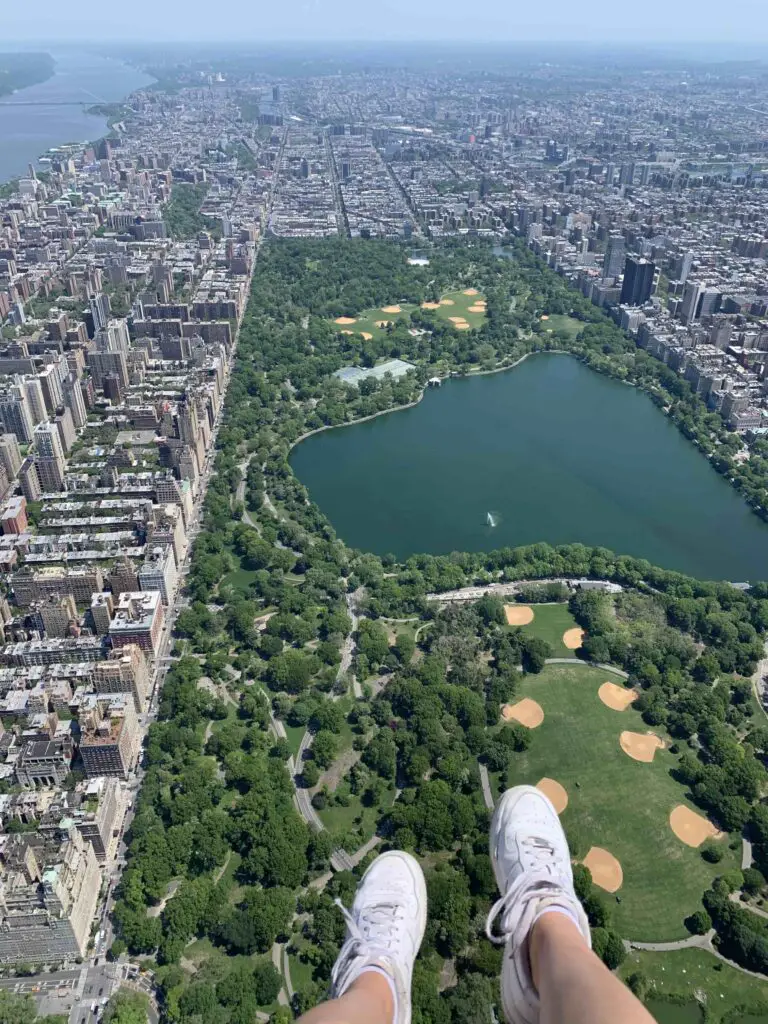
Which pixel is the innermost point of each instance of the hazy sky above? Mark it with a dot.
(667, 21)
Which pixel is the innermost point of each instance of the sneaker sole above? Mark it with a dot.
(420, 886)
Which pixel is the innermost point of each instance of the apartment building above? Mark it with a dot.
(138, 620)
(48, 898)
(110, 739)
(125, 671)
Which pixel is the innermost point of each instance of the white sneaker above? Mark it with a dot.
(385, 928)
(532, 865)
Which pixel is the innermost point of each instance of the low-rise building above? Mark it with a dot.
(44, 762)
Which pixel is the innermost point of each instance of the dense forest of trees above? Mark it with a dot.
(182, 215)
(216, 823)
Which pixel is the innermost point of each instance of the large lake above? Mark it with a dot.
(556, 452)
(31, 120)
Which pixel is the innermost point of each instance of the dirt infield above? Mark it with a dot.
(618, 698)
(558, 795)
(572, 638)
(641, 746)
(366, 336)
(527, 712)
(692, 828)
(391, 309)
(605, 869)
(447, 302)
(518, 614)
(430, 305)
(471, 291)
(345, 320)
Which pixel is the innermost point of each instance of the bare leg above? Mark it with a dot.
(574, 985)
(368, 1000)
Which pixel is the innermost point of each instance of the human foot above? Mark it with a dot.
(532, 865)
(384, 928)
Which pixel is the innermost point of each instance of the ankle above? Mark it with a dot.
(552, 931)
(378, 990)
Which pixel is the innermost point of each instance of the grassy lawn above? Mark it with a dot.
(688, 971)
(367, 320)
(615, 802)
(240, 580)
(301, 973)
(294, 733)
(220, 723)
(559, 322)
(341, 821)
(228, 878)
(550, 621)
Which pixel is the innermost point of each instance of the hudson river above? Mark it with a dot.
(27, 131)
(555, 452)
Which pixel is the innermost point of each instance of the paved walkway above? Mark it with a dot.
(693, 942)
(485, 782)
(746, 854)
(364, 850)
(588, 664)
(735, 897)
(277, 959)
(705, 942)
(287, 973)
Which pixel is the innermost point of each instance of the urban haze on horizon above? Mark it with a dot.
(681, 25)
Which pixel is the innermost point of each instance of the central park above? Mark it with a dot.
(368, 660)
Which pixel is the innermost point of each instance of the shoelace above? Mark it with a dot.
(516, 909)
(381, 918)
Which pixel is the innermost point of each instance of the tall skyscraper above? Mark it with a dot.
(100, 311)
(615, 253)
(682, 267)
(73, 399)
(638, 281)
(14, 414)
(50, 462)
(10, 454)
(32, 390)
(690, 307)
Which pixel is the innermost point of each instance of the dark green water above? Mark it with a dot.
(671, 1013)
(556, 452)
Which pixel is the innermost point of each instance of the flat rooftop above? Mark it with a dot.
(354, 374)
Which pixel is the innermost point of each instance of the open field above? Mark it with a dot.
(550, 621)
(688, 971)
(559, 322)
(452, 304)
(355, 818)
(616, 803)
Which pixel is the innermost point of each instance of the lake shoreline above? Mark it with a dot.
(561, 456)
(415, 402)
